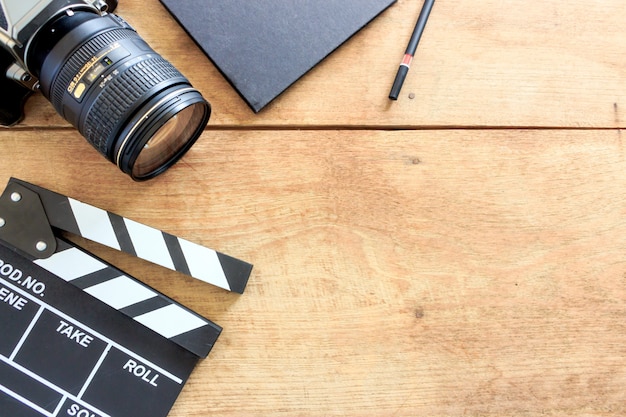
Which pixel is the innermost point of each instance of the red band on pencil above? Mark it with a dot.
(407, 60)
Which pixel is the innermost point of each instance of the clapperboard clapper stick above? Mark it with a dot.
(113, 345)
(139, 240)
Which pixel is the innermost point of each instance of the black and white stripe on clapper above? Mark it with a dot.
(132, 297)
(145, 242)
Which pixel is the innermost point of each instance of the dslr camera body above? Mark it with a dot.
(130, 103)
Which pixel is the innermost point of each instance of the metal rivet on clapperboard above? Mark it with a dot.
(2, 222)
(15, 197)
(41, 246)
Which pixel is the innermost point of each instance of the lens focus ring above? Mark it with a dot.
(120, 94)
(116, 100)
(117, 91)
(79, 58)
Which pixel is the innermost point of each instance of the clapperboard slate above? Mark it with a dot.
(81, 338)
(263, 46)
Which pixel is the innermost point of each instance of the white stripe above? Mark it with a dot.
(120, 292)
(24, 401)
(49, 385)
(94, 224)
(58, 409)
(95, 369)
(203, 263)
(149, 243)
(170, 321)
(70, 264)
(26, 333)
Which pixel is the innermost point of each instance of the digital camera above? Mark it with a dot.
(130, 103)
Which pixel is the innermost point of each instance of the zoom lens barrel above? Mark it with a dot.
(130, 103)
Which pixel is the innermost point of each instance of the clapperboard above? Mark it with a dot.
(79, 337)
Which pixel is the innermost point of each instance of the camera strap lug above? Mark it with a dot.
(17, 73)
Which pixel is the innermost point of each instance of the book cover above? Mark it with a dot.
(264, 46)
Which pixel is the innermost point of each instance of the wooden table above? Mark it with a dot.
(461, 252)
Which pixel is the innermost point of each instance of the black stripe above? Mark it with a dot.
(236, 272)
(96, 278)
(199, 341)
(121, 232)
(173, 246)
(146, 306)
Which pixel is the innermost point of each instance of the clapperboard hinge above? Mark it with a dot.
(29, 217)
(112, 230)
(79, 300)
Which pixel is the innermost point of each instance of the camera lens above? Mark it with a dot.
(131, 104)
(171, 135)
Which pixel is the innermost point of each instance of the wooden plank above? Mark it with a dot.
(460, 272)
(493, 63)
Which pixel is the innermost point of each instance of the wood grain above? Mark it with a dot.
(439, 273)
(491, 63)
(461, 253)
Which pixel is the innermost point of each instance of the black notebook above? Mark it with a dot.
(264, 46)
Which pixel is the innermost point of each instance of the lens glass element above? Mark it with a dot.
(168, 142)
(130, 103)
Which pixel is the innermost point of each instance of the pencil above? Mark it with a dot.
(410, 49)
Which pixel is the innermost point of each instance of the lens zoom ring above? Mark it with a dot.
(80, 58)
(120, 94)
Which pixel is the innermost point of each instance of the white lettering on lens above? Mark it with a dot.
(94, 60)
